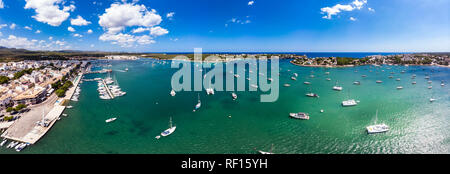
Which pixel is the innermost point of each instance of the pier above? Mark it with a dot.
(107, 89)
(99, 72)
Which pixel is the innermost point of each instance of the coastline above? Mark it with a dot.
(348, 66)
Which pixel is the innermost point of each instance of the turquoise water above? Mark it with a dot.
(417, 126)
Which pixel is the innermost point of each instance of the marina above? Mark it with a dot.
(144, 113)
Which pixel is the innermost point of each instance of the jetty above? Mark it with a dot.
(99, 72)
(107, 89)
(39, 120)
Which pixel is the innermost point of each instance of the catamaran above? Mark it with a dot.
(336, 87)
(351, 102)
(110, 120)
(172, 93)
(170, 130)
(378, 128)
(300, 115)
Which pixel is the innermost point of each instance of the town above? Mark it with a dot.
(36, 91)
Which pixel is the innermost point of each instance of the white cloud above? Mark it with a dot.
(170, 15)
(77, 35)
(49, 11)
(251, 2)
(50, 38)
(21, 42)
(92, 45)
(371, 9)
(119, 16)
(71, 29)
(352, 19)
(38, 31)
(158, 31)
(126, 40)
(12, 26)
(3, 25)
(2, 5)
(238, 21)
(79, 21)
(331, 11)
(359, 4)
(140, 30)
(28, 28)
(89, 31)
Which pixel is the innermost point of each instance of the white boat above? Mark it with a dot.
(110, 120)
(336, 87)
(293, 78)
(357, 83)
(68, 107)
(266, 153)
(399, 87)
(270, 79)
(234, 96)
(379, 81)
(432, 99)
(414, 83)
(20, 147)
(65, 115)
(351, 102)
(328, 79)
(236, 75)
(210, 91)
(311, 76)
(299, 115)
(3, 142)
(172, 93)
(286, 85)
(295, 74)
(378, 128)
(327, 73)
(199, 104)
(170, 130)
(312, 95)
(398, 79)
(254, 86)
(307, 83)
(429, 87)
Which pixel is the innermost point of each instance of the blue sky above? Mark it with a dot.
(227, 25)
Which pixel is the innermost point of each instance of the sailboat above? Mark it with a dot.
(378, 128)
(172, 93)
(336, 87)
(170, 130)
(350, 102)
(310, 94)
(266, 153)
(199, 104)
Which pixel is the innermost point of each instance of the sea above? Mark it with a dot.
(243, 126)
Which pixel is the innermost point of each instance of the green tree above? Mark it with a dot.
(60, 92)
(9, 109)
(4, 79)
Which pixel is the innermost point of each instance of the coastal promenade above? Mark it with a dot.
(28, 130)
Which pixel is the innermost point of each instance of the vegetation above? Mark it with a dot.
(345, 60)
(17, 108)
(19, 74)
(4, 79)
(8, 118)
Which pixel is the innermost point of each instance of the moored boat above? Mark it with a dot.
(299, 115)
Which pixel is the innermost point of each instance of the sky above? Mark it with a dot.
(227, 25)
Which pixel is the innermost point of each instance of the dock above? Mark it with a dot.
(107, 89)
